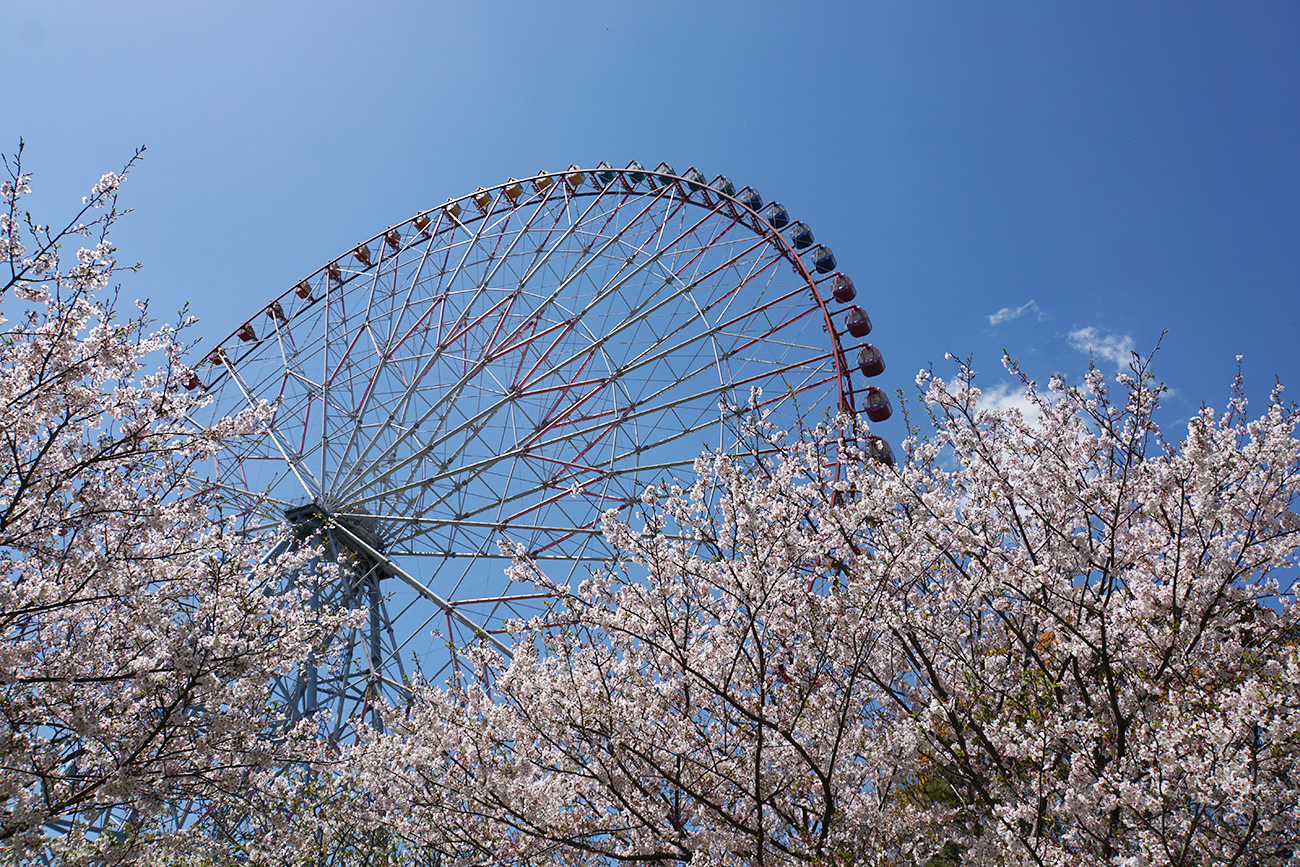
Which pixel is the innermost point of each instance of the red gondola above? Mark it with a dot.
(870, 361)
(877, 405)
(858, 321)
(842, 288)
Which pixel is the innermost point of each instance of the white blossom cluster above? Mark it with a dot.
(1055, 643)
(136, 641)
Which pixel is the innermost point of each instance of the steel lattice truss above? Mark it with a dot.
(505, 369)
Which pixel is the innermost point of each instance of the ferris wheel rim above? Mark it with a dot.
(353, 492)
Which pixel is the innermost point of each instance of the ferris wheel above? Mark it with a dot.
(493, 375)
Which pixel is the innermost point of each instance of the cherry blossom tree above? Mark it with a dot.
(136, 642)
(1072, 641)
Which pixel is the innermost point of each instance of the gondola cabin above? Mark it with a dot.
(870, 361)
(823, 260)
(877, 449)
(842, 288)
(750, 199)
(800, 235)
(858, 321)
(777, 215)
(877, 405)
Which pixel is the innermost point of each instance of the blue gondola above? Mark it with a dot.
(777, 215)
(800, 235)
(723, 184)
(823, 260)
(750, 199)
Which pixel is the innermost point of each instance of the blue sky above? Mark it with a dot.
(1046, 178)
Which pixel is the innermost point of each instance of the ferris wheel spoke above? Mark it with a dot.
(469, 247)
(325, 335)
(242, 492)
(467, 432)
(426, 524)
(300, 472)
(581, 266)
(471, 470)
(359, 465)
(476, 470)
(397, 571)
(473, 554)
(663, 351)
(413, 283)
(284, 341)
(503, 259)
(332, 381)
(638, 312)
(540, 262)
(514, 520)
(398, 343)
(738, 340)
(411, 611)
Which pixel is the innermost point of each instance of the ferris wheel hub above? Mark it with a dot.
(311, 519)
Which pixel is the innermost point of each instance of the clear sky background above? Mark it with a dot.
(1054, 179)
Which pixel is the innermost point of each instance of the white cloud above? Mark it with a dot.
(1115, 348)
(1007, 395)
(1006, 314)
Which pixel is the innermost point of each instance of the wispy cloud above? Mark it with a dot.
(1006, 314)
(1115, 348)
(1006, 395)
